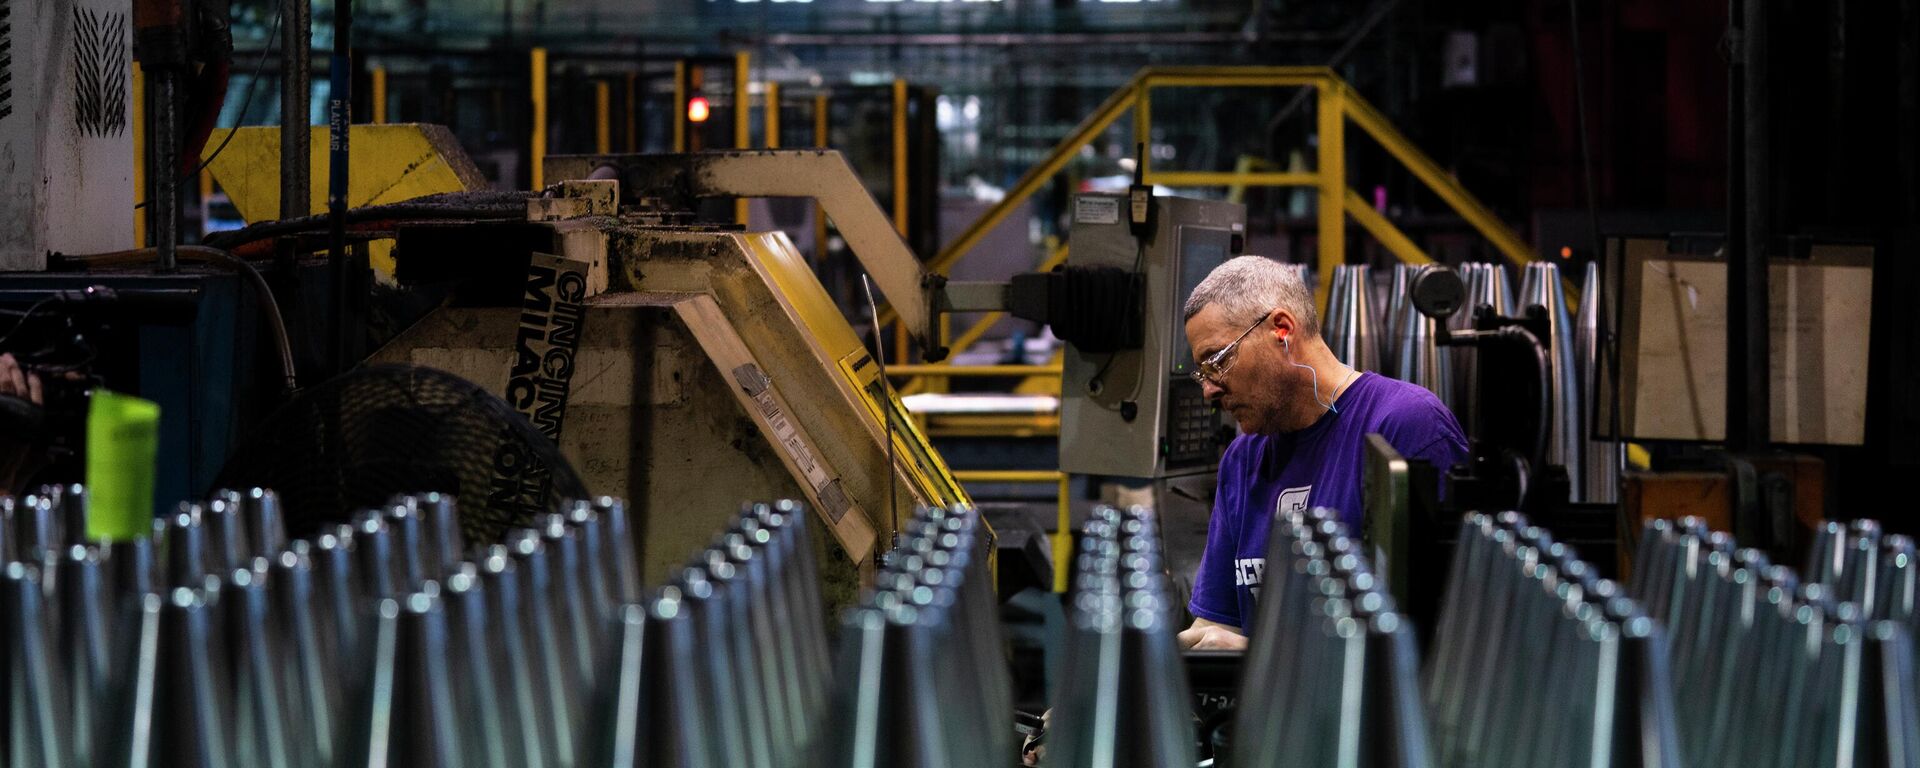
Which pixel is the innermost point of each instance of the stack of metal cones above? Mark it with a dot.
(923, 679)
(1487, 285)
(391, 641)
(1567, 439)
(1537, 661)
(1122, 699)
(1350, 326)
(1601, 474)
(1774, 669)
(1412, 351)
(1331, 672)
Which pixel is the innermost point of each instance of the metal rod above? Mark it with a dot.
(339, 121)
(296, 104)
(1738, 242)
(1752, 323)
(166, 163)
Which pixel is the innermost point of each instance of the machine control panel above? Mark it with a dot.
(1138, 412)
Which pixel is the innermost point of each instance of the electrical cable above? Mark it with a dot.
(268, 305)
(246, 100)
(1099, 376)
(432, 207)
(886, 412)
(24, 316)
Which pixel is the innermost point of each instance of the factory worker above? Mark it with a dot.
(1303, 419)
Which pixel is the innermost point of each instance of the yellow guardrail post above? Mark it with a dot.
(1143, 126)
(633, 112)
(379, 96)
(680, 105)
(1061, 542)
(602, 117)
(538, 67)
(1333, 187)
(1062, 535)
(820, 213)
(742, 121)
(770, 115)
(899, 194)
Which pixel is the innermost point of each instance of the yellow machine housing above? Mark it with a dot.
(712, 368)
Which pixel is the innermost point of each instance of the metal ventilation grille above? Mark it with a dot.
(353, 442)
(99, 72)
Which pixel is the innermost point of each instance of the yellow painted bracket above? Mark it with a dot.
(390, 163)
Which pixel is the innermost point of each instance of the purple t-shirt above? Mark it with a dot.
(1320, 466)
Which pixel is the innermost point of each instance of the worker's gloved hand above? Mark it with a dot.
(1211, 636)
(23, 419)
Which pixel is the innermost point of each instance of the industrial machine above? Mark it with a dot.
(1138, 412)
(692, 363)
(1131, 413)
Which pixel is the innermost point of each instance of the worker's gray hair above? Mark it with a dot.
(1250, 286)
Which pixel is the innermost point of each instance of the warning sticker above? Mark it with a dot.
(757, 386)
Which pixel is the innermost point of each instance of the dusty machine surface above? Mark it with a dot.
(684, 366)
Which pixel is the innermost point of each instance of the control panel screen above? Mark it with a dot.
(1201, 249)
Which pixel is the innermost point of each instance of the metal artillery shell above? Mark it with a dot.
(1567, 445)
(558, 699)
(70, 506)
(518, 673)
(769, 661)
(1396, 321)
(484, 737)
(187, 724)
(715, 675)
(186, 548)
(730, 596)
(374, 558)
(226, 535)
(1602, 467)
(422, 729)
(1828, 555)
(1420, 360)
(1633, 680)
(266, 525)
(39, 733)
(1394, 720)
(409, 540)
(576, 625)
(253, 674)
(36, 528)
(1888, 709)
(307, 674)
(623, 569)
(617, 712)
(1351, 328)
(1900, 582)
(672, 725)
(594, 569)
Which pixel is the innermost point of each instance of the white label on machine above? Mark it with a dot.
(1096, 210)
(760, 388)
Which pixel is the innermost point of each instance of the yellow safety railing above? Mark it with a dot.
(1338, 106)
(1061, 541)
